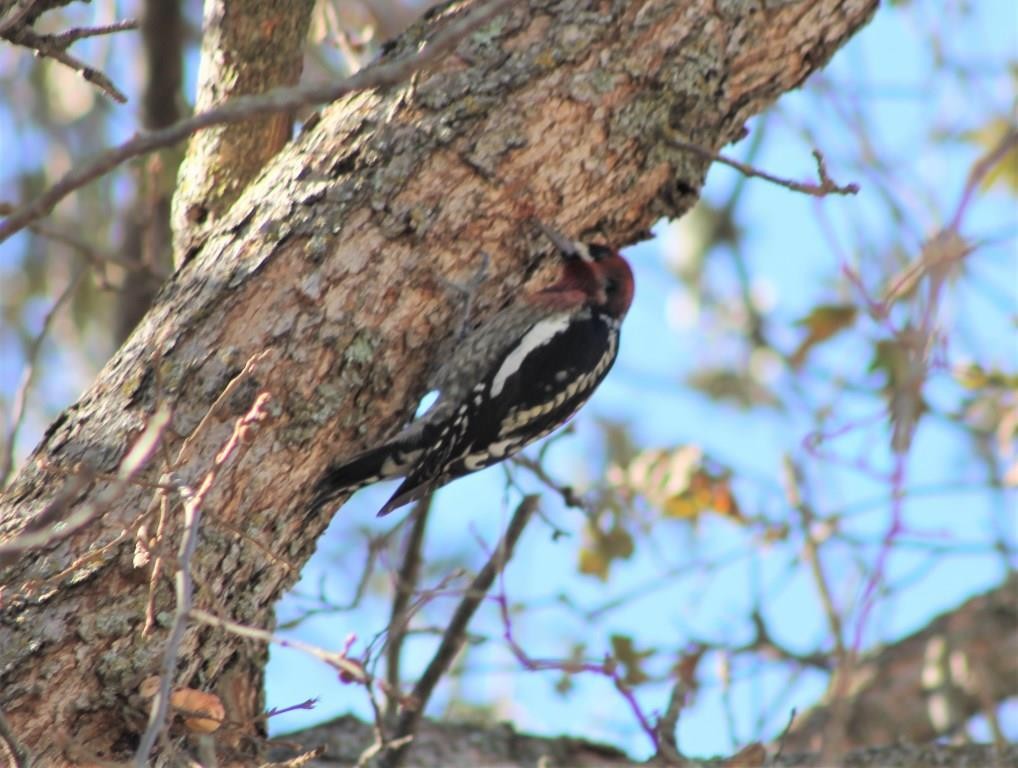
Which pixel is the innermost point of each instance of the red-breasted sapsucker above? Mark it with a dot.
(513, 380)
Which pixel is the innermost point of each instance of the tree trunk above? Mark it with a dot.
(442, 744)
(929, 683)
(330, 267)
(147, 240)
(904, 696)
(248, 46)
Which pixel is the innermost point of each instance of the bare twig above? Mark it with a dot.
(182, 455)
(667, 724)
(96, 259)
(337, 660)
(917, 341)
(193, 502)
(185, 450)
(161, 703)
(16, 15)
(307, 704)
(51, 525)
(264, 549)
(71, 36)
(240, 109)
(406, 584)
(455, 635)
(894, 529)
(55, 47)
(157, 565)
(793, 490)
(784, 733)
(28, 376)
(375, 545)
(568, 494)
(765, 644)
(1007, 144)
(827, 185)
(834, 737)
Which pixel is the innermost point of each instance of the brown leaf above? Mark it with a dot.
(204, 712)
(822, 323)
(625, 653)
(603, 548)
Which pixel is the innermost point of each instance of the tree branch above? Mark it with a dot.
(277, 100)
(455, 634)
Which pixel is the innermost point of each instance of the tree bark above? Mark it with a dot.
(330, 267)
(443, 744)
(148, 239)
(248, 47)
(929, 683)
(904, 696)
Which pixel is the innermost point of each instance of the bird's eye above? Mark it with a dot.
(611, 286)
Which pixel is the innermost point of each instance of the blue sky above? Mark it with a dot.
(885, 73)
(700, 583)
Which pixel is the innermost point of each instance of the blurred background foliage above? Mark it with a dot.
(807, 447)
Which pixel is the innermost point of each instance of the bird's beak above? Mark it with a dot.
(564, 244)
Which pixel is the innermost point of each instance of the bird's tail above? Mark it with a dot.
(392, 459)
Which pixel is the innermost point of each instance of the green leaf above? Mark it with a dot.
(822, 323)
(989, 136)
(603, 548)
(625, 653)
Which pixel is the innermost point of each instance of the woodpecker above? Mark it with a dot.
(510, 382)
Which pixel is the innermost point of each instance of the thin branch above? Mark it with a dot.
(793, 489)
(375, 545)
(307, 704)
(28, 376)
(834, 740)
(182, 455)
(99, 261)
(784, 733)
(50, 525)
(161, 703)
(185, 450)
(455, 635)
(157, 565)
(55, 47)
(766, 645)
(567, 492)
(71, 36)
(827, 185)
(894, 529)
(667, 725)
(1007, 144)
(337, 660)
(240, 109)
(19, 13)
(406, 584)
(193, 502)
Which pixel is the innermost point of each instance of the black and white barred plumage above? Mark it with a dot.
(513, 380)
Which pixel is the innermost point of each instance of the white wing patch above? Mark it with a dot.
(540, 334)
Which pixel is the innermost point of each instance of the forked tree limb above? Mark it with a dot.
(332, 263)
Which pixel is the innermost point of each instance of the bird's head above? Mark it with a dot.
(598, 271)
